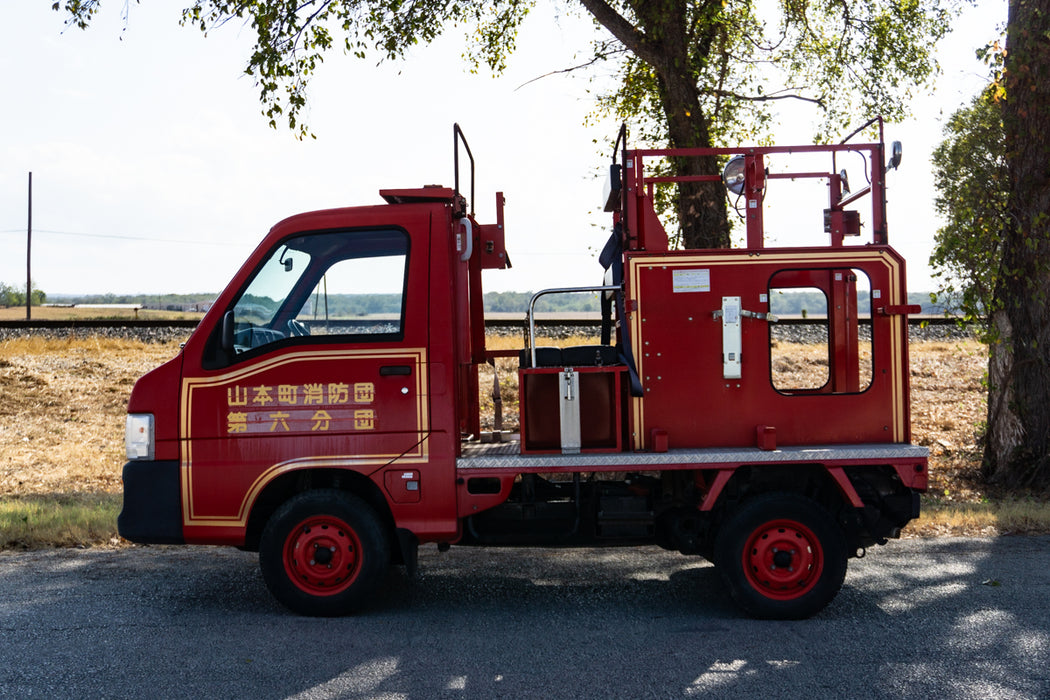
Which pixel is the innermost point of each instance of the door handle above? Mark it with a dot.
(395, 371)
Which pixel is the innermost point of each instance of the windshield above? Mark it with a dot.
(268, 291)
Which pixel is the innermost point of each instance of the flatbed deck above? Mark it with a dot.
(506, 456)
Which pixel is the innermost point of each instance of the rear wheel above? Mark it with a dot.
(782, 556)
(324, 553)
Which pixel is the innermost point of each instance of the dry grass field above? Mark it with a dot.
(67, 313)
(62, 405)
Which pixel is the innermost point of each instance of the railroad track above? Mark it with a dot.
(496, 321)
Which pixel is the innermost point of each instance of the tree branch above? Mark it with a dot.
(819, 101)
(624, 31)
(597, 57)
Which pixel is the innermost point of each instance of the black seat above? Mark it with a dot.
(575, 356)
(590, 356)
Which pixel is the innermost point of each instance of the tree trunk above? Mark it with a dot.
(702, 216)
(1017, 450)
(663, 40)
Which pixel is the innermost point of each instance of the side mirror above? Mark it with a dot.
(287, 262)
(227, 332)
(896, 151)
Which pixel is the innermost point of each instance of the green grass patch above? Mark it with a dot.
(58, 520)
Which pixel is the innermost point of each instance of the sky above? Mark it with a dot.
(154, 170)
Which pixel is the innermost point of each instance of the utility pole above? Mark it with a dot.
(29, 253)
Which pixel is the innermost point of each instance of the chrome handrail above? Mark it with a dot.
(531, 315)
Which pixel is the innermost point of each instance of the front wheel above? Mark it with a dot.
(782, 556)
(323, 553)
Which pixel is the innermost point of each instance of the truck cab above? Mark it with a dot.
(326, 410)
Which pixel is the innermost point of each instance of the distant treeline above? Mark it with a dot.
(343, 305)
(11, 295)
(816, 304)
(167, 302)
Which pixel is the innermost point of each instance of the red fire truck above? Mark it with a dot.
(325, 412)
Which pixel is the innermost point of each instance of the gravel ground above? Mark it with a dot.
(148, 335)
(790, 333)
(812, 333)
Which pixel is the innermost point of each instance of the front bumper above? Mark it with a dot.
(152, 511)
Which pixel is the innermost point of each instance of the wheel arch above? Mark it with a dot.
(289, 484)
(814, 481)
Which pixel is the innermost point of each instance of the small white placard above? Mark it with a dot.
(691, 280)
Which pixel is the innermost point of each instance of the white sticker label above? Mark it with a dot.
(691, 281)
(876, 294)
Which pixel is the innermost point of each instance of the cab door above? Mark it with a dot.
(323, 366)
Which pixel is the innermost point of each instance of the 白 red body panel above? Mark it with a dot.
(678, 345)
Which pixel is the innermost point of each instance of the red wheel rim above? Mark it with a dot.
(322, 555)
(783, 559)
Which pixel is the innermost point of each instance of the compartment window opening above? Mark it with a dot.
(825, 344)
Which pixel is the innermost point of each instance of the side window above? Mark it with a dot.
(357, 296)
(349, 284)
(823, 342)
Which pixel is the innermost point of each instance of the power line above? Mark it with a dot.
(119, 237)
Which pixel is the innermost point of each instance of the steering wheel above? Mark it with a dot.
(297, 328)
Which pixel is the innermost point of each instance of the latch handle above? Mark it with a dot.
(900, 309)
(758, 315)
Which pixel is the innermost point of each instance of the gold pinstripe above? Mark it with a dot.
(419, 454)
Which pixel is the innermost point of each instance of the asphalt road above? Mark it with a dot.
(941, 618)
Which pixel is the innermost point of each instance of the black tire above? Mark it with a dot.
(782, 556)
(324, 553)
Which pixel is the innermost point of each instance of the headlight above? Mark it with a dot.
(138, 436)
(733, 175)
